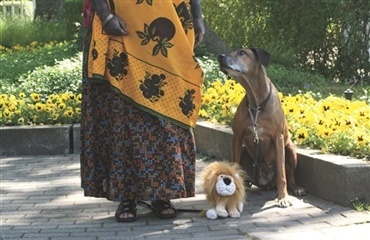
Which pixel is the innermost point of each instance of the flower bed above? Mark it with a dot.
(32, 109)
(333, 124)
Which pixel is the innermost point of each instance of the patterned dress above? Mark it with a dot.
(141, 97)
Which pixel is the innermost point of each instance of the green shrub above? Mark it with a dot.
(329, 37)
(21, 60)
(288, 81)
(21, 31)
(291, 81)
(64, 76)
(211, 69)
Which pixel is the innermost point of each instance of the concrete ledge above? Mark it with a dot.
(335, 178)
(35, 140)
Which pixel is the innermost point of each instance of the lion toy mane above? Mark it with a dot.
(223, 183)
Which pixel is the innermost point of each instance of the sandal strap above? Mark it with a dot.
(128, 206)
(161, 205)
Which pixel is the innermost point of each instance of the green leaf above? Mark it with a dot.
(156, 49)
(141, 35)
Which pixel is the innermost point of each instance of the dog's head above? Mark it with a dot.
(243, 61)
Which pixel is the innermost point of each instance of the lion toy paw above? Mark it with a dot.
(211, 214)
(223, 183)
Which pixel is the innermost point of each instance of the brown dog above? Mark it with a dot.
(261, 142)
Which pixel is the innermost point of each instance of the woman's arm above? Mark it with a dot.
(199, 29)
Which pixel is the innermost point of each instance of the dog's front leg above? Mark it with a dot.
(237, 147)
(281, 181)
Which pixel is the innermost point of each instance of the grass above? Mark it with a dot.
(19, 31)
(360, 204)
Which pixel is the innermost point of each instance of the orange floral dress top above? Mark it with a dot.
(154, 66)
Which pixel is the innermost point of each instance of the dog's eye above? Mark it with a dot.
(242, 52)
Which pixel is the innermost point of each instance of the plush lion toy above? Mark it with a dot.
(223, 183)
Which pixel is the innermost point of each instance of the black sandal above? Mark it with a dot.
(159, 205)
(128, 207)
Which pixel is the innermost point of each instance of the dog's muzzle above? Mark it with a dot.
(227, 65)
(222, 59)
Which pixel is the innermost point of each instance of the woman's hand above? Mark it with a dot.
(112, 24)
(199, 30)
(115, 26)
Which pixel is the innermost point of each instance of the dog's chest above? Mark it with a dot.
(257, 134)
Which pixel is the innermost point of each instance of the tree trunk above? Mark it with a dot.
(49, 9)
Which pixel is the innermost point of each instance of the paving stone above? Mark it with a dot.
(41, 204)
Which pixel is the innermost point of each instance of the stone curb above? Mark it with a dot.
(334, 178)
(36, 140)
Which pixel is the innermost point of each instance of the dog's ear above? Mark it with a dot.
(262, 55)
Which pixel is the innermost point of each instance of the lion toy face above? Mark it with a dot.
(223, 183)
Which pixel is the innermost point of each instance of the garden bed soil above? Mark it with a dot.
(335, 178)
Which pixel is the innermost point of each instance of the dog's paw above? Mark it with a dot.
(299, 191)
(284, 202)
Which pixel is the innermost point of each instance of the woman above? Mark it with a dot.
(141, 97)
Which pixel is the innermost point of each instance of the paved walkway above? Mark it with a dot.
(41, 199)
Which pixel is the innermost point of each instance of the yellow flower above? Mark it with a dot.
(322, 131)
(21, 103)
(62, 106)
(203, 113)
(33, 44)
(302, 134)
(2, 48)
(7, 113)
(20, 120)
(4, 97)
(52, 97)
(79, 97)
(55, 116)
(22, 95)
(35, 97)
(17, 47)
(12, 108)
(68, 113)
(47, 109)
(64, 96)
(39, 107)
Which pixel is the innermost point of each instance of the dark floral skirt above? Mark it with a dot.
(129, 154)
